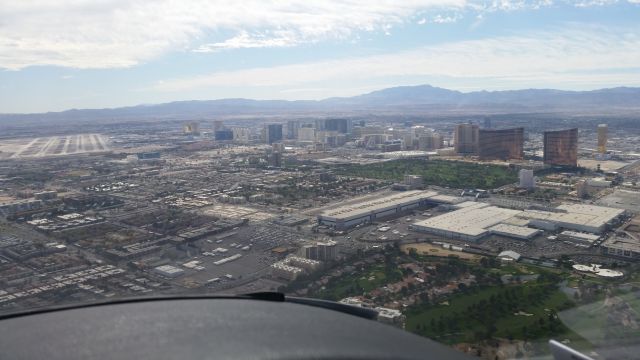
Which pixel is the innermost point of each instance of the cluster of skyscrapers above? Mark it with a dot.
(560, 146)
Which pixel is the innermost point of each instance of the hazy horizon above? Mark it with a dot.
(321, 99)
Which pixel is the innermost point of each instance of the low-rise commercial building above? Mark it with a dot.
(391, 316)
(622, 245)
(579, 237)
(168, 271)
(625, 242)
(285, 271)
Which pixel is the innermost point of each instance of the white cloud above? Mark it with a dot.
(440, 19)
(245, 40)
(577, 53)
(123, 33)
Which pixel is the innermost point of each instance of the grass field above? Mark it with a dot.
(455, 174)
(359, 282)
(516, 312)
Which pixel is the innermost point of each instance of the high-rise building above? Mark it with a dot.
(430, 141)
(327, 250)
(359, 132)
(307, 134)
(501, 144)
(602, 138)
(223, 134)
(408, 138)
(373, 141)
(292, 129)
(487, 122)
(527, 181)
(278, 147)
(273, 133)
(561, 147)
(191, 128)
(466, 139)
(241, 134)
(342, 126)
(320, 124)
(275, 159)
(310, 251)
(335, 140)
(217, 125)
(582, 189)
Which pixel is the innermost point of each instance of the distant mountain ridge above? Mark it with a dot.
(423, 97)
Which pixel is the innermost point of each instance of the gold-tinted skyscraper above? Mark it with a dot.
(501, 144)
(602, 138)
(561, 147)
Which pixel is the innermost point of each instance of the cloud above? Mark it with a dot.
(577, 53)
(123, 33)
(440, 19)
(245, 40)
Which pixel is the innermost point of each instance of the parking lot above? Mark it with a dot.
(622, 199)
(248, 253)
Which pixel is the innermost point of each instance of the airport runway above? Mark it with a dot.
(62, 145)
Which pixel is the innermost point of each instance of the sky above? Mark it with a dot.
(57, 55)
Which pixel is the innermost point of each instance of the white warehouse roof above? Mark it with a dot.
(509, 254)
(520, 232)
(581, 217)
(471, 221)
(372, 205)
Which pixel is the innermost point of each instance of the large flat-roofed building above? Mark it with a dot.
(372, 208)
(474, 220)
(623, 245)
(580, 217)
(503, 144)
(579, 237)
(561, 147)
(625, 242)
(470, 222)
(514, 231)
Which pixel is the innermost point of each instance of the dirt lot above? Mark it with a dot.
(433, 250)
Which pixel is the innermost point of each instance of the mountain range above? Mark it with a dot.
(422, 98)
